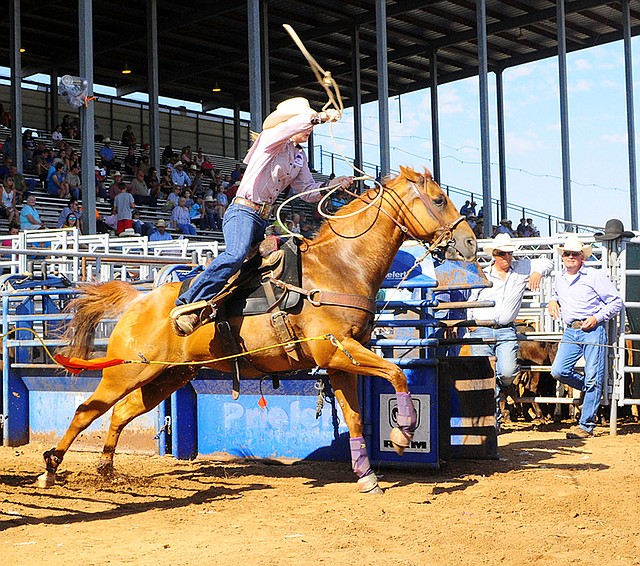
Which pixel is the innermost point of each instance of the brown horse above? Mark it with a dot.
(350, 256)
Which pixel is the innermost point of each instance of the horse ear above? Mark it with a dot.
(410, 175)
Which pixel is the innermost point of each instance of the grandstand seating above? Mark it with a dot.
(50, 207)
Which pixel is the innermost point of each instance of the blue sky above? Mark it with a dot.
(597, 126)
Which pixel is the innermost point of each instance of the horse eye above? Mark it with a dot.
(440, 201)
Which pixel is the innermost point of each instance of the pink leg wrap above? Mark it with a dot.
(359, 458)
(407, 418)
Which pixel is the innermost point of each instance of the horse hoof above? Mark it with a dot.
(400, 440)
(48, 479)
(106, 468)
(369, 484)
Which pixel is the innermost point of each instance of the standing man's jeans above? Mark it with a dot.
(242, 228)
(575, 344)
(506, 352)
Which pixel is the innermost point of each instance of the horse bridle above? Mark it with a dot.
(444, 232)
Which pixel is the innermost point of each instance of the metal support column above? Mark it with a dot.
(311, 152)
(256, 79)
(87, 118)
(15, 42)
(485, 149)
(153, 83)
(502, 158)
(435, 119)
(383, 87)
(564, 109)
(53, 97)
(356, 97)
(264, 48)
(631, 131)
(236, 132)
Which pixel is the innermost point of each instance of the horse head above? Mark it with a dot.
(430, 215)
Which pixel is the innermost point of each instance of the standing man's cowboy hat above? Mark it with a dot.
(502, 243)
(573, 244)
(287, 109)
(613, 230)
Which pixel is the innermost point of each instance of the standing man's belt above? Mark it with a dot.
(576, 324)
(498, 326)
(263, 209)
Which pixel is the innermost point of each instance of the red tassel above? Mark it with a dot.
(262, 402)
(78, 365)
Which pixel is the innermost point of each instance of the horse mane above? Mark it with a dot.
(96, 301)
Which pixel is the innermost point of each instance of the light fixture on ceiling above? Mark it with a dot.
(216, 88)
(126, 70)
(22, 50)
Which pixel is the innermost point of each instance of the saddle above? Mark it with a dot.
(254, 289)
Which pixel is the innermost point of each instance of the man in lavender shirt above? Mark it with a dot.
(585, 299)
(274, 162)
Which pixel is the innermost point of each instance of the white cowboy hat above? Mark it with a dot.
(106, 140)
(178, 164)
(127, 232)
(161, 222)
(503, 243)
(287, 109)
(209, 198)
(573, 244)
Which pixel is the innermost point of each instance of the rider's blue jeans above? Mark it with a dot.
(575, 344)
(242, 228)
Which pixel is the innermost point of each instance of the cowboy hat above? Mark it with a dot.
(162, 223)
(502, 243)
(178, 164)
(127, 232)
(613, 230)
(573, 244)
(106, 140)
(287, 109)
(209, 198)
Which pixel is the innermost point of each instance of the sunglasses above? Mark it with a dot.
(571, 254)
(72, 218)
(502, 254)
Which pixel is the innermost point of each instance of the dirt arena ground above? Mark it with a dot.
(547, 500)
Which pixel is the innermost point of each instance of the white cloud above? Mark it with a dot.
(449, 102)
(614, 138)
(580, 86)
(518, 144)
(583, 65)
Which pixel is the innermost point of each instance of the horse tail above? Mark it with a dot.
(96, 301)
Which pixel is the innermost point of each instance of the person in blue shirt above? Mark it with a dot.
(159, 234)
(107, 157)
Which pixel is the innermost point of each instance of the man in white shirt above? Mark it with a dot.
(509, 277)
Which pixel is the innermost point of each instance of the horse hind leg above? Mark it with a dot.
(112, 387)
(345, 388)
(138, 402)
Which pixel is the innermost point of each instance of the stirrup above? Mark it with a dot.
(185, 319)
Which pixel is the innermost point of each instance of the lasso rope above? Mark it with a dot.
(76, 365)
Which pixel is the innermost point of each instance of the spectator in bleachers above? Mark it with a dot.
(533, 230)
(140, 227)
(130, 161)
(140, 191)
(73, 207)
(9, 200)
(41, 164)
(123, 206)
(172, 199)
(71, 221)
(210, 220)
(29, 215)
(151, 178)
(188, 198)
(57, 184)
(66, 126)
(100, 176)
(57, 138)
(107, 157)
(166, 184)
(5, 117)
(22, 184)
(159, 234)
(295, 223)
(198, 158)
(8, 149)
(185, 156)
(74, 182)
(74, 157)
(223, 202)
(28, 148)
(208, 170)
(143, 163)
(167, 155)
(196, 210)
(236, 174)
(465, 209)
(180, 218)
(128, 137)
(14, 230)
(116, 185)
(179, 177)
(192, 172)
(5, 168)
(479, 228)
(196, 184)
(505, 227)
(231, 191)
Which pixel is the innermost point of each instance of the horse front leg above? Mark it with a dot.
(345, 388)
(369, 363)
